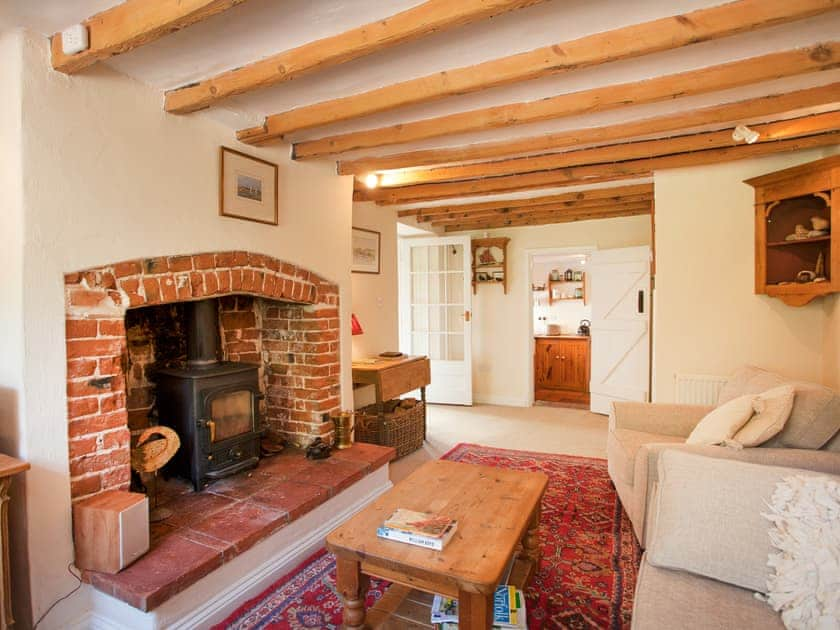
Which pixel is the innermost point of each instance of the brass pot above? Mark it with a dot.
(344, 429)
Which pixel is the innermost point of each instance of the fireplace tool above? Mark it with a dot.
(155, 447)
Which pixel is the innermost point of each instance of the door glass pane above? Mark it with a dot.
(455, 319)
(437, 318)
(454, 257)
(437, 258)
(419, 288)
(437, 346)
(419, 318)
(454, 288)
(437, 288)
(455, 347)
(232, 414)
(419, 258)
(419, 343)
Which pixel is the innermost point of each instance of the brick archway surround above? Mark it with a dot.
(302, 384)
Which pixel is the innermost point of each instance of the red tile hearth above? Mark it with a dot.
(211, 527)
(272, 313)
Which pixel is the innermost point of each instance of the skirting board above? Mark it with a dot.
(215, 596)
(500, 401)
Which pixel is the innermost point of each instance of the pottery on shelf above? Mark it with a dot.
(819, 223)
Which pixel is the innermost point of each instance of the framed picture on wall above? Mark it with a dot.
(366, 250)
(247, 187)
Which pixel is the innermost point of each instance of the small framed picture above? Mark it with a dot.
(247, 187)
(366, 251)
(578, 276)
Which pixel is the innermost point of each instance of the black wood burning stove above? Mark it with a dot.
(213, 405)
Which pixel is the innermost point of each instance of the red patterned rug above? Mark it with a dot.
(585, 580)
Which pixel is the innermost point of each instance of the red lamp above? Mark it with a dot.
(355, 326)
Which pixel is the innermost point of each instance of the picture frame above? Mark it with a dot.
(578, 276)
(366, 250)
(247, 187)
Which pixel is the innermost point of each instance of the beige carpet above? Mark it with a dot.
(543, 429)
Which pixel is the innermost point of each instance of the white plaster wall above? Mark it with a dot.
(12, 397)
(831, 343)
(502, 363)
(707, 318)
(109, 176)
(375, 295)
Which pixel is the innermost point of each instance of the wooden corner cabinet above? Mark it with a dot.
(561, 369)
(797, 257)
(489, 261)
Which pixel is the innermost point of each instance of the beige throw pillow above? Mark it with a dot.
(772, 410)
(723, 422)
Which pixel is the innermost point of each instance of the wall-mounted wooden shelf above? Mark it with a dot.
(553, 283)
(785, 200)
(497, 248)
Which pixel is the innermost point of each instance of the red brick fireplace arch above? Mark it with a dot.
(295, 337)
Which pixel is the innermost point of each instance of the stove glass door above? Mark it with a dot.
(231, 414)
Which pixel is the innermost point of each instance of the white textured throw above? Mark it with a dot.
(805, 580)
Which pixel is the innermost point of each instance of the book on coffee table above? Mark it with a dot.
(420, 523)
(429, 542)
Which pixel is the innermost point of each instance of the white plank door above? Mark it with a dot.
(435, 308)
(619, 285)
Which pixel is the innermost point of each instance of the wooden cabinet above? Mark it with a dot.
(9, 467)
(796, 257)
(561, 369)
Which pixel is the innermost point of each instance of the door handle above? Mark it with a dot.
(467, 316)
(641, 300)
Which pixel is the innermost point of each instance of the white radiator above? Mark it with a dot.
(697, 389)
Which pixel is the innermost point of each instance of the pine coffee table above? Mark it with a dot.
(498, 514)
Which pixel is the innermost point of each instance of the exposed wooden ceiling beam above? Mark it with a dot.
(132, 24)
(484, 215)
(621, 43)
(577, 176)
(709, 79)
(590, 173)
(591, 194)
(773, 105)
(559, 218)
(537, 211)
(643, 206)
(804, 126)
(425, 19)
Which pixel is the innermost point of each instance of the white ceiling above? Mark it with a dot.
(258, 28)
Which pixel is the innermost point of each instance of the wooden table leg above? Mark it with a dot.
(475, 611)
(531, 540)
(353, 587)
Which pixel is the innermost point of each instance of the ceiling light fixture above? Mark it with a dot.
(745, 134)
(372, 180)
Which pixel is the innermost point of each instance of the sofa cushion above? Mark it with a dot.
(723, 423)
(772, 410)
(628, 443)
(674, 599)
(706, 517)
(814, 419)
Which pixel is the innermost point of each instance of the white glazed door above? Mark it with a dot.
(435, 304)
(619, 286)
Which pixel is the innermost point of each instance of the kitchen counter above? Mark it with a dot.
(564, 336)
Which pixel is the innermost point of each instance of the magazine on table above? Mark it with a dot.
(508, 610)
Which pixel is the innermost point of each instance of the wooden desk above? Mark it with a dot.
(392, 377)
(9, 467)
(496, 509)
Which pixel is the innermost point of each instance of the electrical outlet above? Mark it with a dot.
(74, 39)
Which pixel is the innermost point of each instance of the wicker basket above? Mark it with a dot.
(402, 428)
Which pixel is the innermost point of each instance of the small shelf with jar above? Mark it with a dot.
(489, 262)
(567, 287)
(796, 255)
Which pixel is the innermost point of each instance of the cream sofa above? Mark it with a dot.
(639, 432)
(708, 545)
